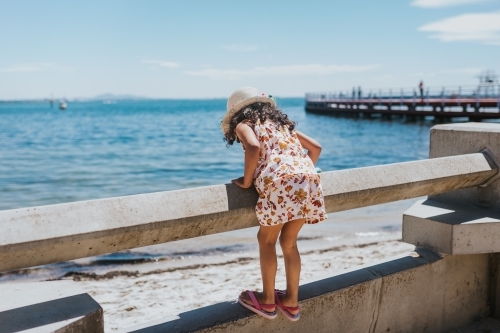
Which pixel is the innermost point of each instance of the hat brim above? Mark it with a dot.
(240, 105)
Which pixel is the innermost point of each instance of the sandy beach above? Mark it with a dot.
(130, 298)
(161, 281)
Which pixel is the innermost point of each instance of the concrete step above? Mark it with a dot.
(43, 307)
(452, 229)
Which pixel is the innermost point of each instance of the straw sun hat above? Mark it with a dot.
(241, 98)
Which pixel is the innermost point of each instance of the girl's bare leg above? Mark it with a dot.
(288, 243)
(267, 237)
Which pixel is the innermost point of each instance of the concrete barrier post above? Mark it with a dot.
(465, 221)
(460, 139)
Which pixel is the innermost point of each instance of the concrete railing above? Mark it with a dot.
(425, 286)
(88, 228)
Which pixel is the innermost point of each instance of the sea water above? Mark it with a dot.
(97, 150)
(100, 149)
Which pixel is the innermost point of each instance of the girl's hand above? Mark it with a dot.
(241, 182)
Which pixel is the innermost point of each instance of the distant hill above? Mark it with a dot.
(113, 97)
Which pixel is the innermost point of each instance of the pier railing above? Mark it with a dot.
(448, 92)
(463, 171)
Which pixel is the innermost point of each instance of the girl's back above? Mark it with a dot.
(281, 153)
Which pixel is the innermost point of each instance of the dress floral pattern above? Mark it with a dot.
(289, 187)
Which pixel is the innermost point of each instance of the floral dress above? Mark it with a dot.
(289, 187)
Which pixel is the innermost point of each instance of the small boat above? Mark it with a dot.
(63, 105)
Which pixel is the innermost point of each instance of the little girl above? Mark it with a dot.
(289, 189)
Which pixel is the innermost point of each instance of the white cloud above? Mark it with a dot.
(240, 47)
(442, 3)
(161, 63)
(481, 27)
(309, 69)
(33, 67)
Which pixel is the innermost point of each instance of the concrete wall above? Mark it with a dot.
(419, 293)
(88, 228)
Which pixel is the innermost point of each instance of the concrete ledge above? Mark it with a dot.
(59, 306)
(452, 229)
(420, 293)
(361, 187)
(88, 228)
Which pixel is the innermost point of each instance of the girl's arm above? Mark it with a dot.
(252, 149)
(313, 147)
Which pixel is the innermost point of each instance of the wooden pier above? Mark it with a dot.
(476, 104)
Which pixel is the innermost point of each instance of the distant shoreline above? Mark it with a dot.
(100, 99)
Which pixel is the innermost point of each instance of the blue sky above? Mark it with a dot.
(205, 49)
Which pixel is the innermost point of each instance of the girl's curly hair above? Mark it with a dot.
(257, 112)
